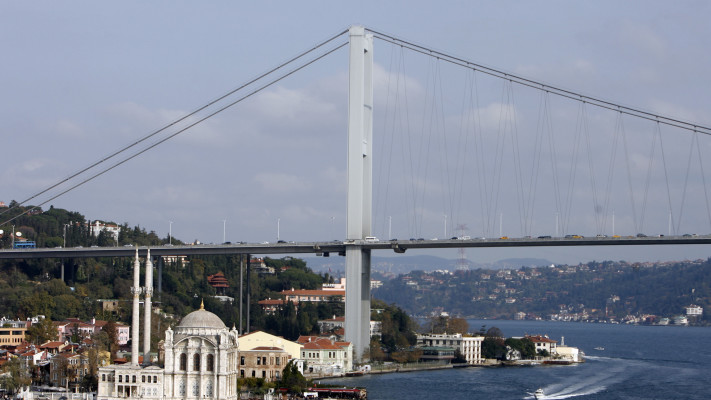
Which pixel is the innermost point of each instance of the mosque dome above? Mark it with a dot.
(201, 319)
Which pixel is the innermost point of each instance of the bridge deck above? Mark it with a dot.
(337, 247)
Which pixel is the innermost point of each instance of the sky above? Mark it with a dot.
(82, 79)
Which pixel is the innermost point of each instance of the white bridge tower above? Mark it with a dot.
(360, 188)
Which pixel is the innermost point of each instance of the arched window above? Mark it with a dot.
(210, 362)
(183, 362)
(196, 362)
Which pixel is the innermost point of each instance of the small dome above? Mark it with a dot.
(201, 319)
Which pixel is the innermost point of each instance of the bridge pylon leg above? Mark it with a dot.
(360, 186)
(357, 324)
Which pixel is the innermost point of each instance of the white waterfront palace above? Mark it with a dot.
(201, 359)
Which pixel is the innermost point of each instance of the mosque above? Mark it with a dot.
(201, 356)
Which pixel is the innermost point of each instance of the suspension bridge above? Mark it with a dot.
(572, 169)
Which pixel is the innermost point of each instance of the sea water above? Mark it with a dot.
(638, 362)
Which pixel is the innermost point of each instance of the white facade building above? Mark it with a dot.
(469, 346)
(694, 310)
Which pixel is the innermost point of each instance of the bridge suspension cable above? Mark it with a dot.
(545, 87)
(174, 123)
(565, 193)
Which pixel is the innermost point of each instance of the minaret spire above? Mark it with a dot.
(136, 291)
(148, 290)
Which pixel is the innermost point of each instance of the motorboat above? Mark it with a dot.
(538, 394)
(599, 348)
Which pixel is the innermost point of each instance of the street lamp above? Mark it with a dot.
(170, 232)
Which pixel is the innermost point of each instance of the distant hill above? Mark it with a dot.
(335, 265)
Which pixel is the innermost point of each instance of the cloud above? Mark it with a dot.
(644, 39)
(275, 182)
(69, 129)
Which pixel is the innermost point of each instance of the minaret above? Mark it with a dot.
(148, 290)
(136, 290)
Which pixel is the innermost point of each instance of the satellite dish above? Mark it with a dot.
(18, 233)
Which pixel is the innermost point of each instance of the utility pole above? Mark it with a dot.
(224, 230)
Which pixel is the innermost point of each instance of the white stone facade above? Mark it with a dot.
(469, 346)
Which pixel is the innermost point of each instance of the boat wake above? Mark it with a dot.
(575, 386)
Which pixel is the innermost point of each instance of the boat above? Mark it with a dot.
(538, 394)
(600, 348)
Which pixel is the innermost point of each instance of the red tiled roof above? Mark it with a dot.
(51, 345)
(321, 345)
(541, 339)
(313, 292)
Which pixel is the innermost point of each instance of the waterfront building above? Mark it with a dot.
(324, 356)
(468, 346)
(253, 340)
(263, 362)
(543, 343)
(437, 353)
(694, 311)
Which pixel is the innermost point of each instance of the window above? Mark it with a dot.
(143, 378)
(259, 360)
(264, 374)
(210, 362)
(241, 361)
(183, 362)
(103, 377)
(120, 378)
(241, 373)
(253, 374)
(134, 379)
(196, 362)
(277, 360)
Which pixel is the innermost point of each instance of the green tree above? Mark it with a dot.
(111, 337)
(15, 376)
(292, 379)
(42, 332)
